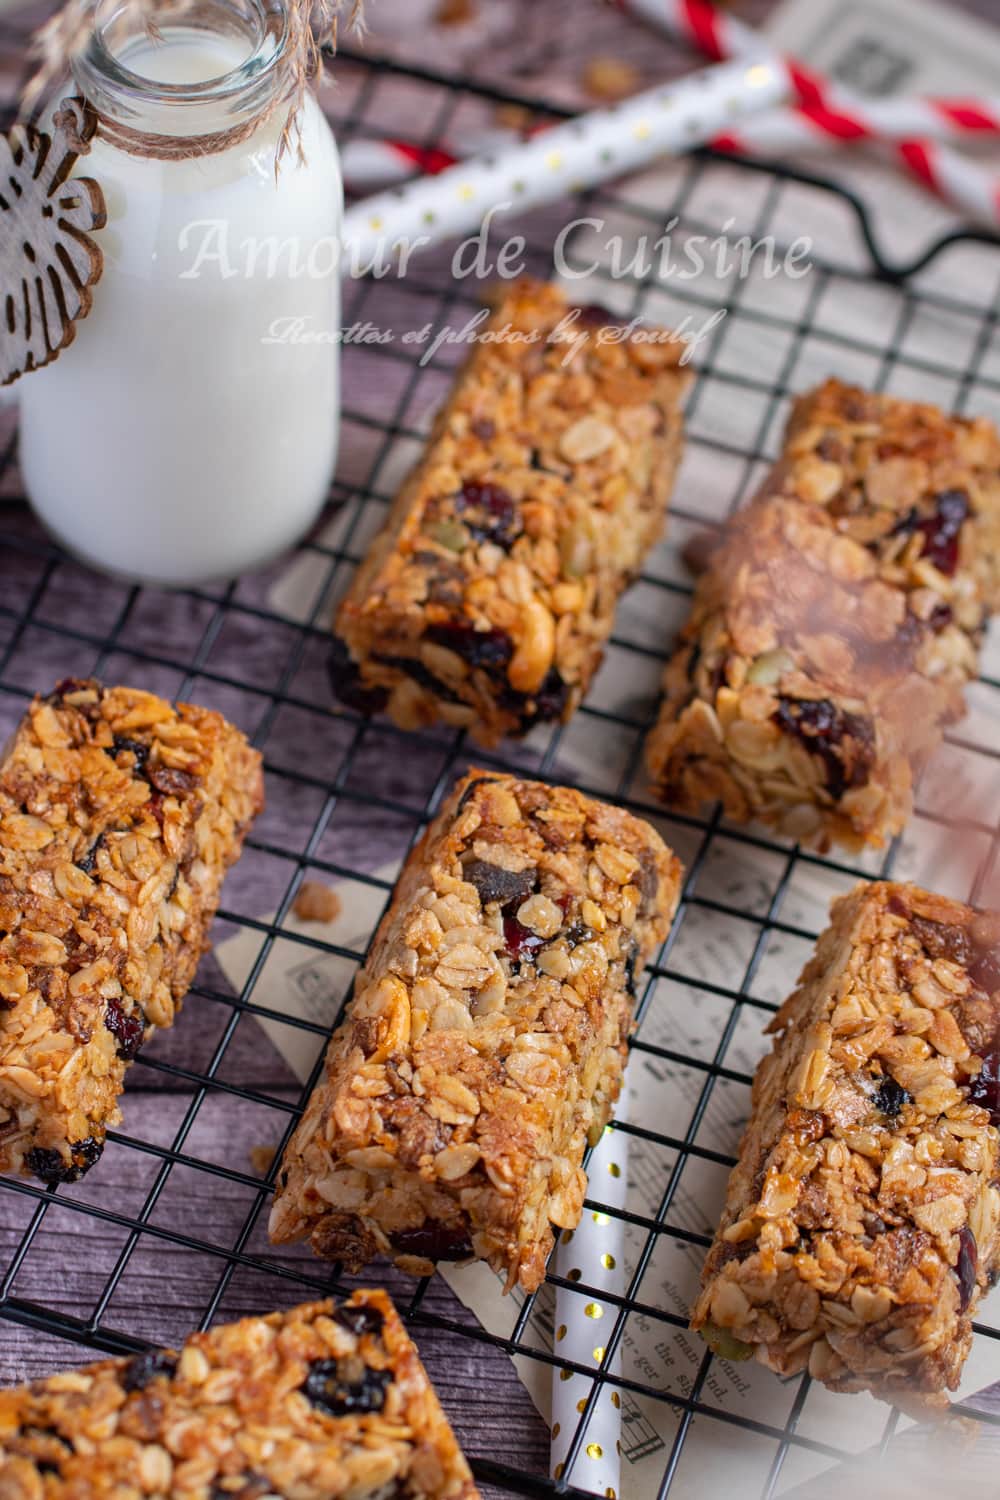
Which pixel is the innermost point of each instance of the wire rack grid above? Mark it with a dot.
(178, 1186)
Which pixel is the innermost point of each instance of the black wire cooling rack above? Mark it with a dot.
(174, 1214)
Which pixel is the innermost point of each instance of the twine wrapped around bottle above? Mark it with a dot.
(311, 29)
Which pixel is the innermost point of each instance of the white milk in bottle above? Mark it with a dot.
(189, 432)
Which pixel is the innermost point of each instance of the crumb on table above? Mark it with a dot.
(316, 902)
(455, 12)
(610, 78)
(261, 1158)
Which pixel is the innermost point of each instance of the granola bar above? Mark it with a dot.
(861, 1221)
(119, 816)
(325, 1401)
(486, 600)
(837, 622)
(485, 1043)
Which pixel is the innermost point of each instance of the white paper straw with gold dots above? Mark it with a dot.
(590, 149)
(593, 1255)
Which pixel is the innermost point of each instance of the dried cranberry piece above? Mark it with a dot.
(596, 315)
(943, 939)
(540, 707)
(965, 1269)
(146, 1367)
(489, 512)
(85, 1153)
(985, 971)
(941, 530)
(340, 1386)
(550, 700)
(434, 1242)
(897, 906)
(489, 649)
(51, 1166)
(345, 679)
(824, 730)
(359, 1320)
(135, 747)
(890, 1097)
(984, 1089)
(492, 498)
(171, 782)
(521, 943)
(127, 1030)
(484, 428)
(816, 718)
(496, 884)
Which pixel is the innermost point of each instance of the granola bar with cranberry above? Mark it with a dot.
(119, 816)
(327, 1400)
(837, 622)
(486, 600)
(861, 1222)
(485, 1043)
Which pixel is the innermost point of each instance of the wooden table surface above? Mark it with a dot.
(518, 44)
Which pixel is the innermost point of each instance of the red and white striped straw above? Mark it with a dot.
(370, 166)
(582, 152)
(844, 114)
(825, 116)
(784, 132)
(913, 129)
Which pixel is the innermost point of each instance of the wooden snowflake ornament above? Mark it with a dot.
(48, 260)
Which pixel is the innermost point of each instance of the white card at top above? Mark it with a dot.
(880, 47)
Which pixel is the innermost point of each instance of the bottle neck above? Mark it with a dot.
(206, 79)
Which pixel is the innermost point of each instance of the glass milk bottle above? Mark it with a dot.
(189, 432)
